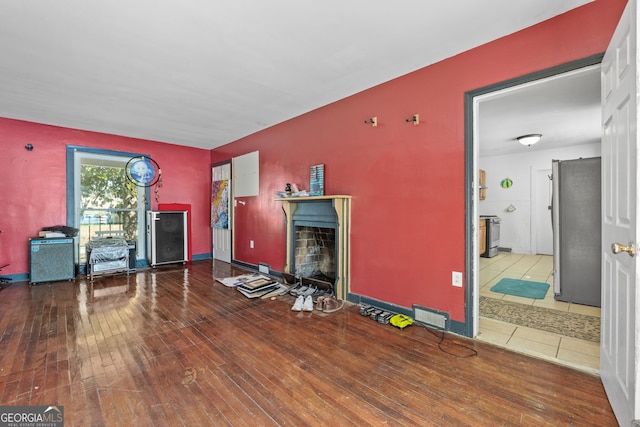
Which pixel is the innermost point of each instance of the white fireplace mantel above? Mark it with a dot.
(342, 206)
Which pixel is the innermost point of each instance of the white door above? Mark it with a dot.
(544, 230)
(618, 353)
(221, 185)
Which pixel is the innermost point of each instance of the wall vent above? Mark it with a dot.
(433, 318)
(263, 268)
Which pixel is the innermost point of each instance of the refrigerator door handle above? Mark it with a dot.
(616, 248)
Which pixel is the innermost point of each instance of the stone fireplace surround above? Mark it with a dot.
(320, 214)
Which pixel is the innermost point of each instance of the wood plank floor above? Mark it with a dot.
(172, 347)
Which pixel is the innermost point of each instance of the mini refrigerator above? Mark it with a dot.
(167, 237)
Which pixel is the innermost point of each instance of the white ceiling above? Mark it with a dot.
(203, 73)
(564, 109)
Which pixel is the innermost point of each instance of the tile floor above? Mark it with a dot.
(579, 354)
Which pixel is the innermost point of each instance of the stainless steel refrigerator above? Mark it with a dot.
(577, 232)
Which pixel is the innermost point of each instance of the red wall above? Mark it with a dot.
(33, 183)
(407, 181)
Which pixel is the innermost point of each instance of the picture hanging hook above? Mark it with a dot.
(373, 121)
(415, 119)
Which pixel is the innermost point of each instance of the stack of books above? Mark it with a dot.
(257, 286)
(254, 285)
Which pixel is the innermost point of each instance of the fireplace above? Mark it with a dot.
(315, 253)
(318, 229)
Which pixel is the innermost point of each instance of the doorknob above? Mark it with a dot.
(616, 248)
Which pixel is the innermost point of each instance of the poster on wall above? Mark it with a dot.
(220, 204)
(316, 184)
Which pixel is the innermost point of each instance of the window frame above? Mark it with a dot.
(74, 156)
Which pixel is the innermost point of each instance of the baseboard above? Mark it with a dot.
(15, 278)
(453, 326)
(254, 267)
(382, 305)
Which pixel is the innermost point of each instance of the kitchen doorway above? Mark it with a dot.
(537, 207)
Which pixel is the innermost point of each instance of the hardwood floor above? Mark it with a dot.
(172, 347)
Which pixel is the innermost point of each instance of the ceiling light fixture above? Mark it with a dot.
(530, 139)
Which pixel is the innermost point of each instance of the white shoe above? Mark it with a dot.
(308, 304)
(298, 305)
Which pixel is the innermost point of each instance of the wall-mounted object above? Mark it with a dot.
(506, 183)
(415, 119)
(29, 147)
(530, 139)
(143, 171)
(373, 121)
(220, 204)
(510, 208)
(482, 178)
(246, 173)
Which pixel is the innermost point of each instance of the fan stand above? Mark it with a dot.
(4, 279)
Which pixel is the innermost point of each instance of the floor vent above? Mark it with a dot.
(436, 319)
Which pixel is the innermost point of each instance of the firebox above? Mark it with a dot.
(314, 224)
(315, 253)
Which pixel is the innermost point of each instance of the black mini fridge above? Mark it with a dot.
(166, 237)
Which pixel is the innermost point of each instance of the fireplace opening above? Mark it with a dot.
(315, 253)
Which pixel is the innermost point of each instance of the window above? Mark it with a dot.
(103, 202)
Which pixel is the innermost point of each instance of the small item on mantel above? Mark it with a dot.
(292, 190)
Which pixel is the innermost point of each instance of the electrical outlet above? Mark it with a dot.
(251, 244)
(456, 279)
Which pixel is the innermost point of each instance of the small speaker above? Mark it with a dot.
(51, 260)
(132, 254)
(166, 237)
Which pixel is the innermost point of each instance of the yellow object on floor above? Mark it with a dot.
(401, 321)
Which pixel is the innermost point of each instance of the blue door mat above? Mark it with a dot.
(521, 288)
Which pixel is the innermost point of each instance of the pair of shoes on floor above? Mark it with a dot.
(303, 303)
(328, 304)
(295, 288)
(322, 293)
